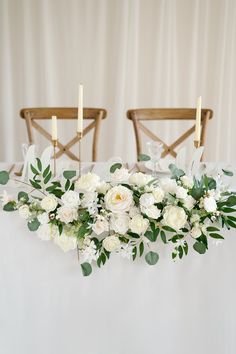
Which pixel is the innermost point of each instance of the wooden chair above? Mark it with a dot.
(33, 115)
(181, 114)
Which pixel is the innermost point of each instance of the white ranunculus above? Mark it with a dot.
(120, 223)
(120, 175)
(209, 204)
(152, 211)
(88, 182)
(181, 193)
(47, 232)
(174, 216)
(134, 211)
(24, 211)
(139, 179)
(189, 202)
(195, 232)
(66, 214)
(43, 218)
(118, 199)
(101, 225)
(158, 194)
(71, 199)
(66, 243)
(103, 187)
(89, 199)
(146, 200)
(49, 203)
(168, 185)
(138, 224)
(187, 181)
(111, 243)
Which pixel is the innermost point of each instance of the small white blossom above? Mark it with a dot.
(89, 253)
(121, 175)
(126, 251)
(24, 211)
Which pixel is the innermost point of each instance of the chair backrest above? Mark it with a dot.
(32, 117)
(151, 114)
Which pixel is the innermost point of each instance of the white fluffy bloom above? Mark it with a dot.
(146, 200)
(89, 199)
(118, 199)
(47, 232)
(101, 225)
(120, 175)
(5, 198)
(168, 185)
(209, 204)
(174, 216)
(138, 224)
(43, 218)
(24, 211)
(66, 243)
(126, 251)
(120, 223)
(189, 202)
(152, 211)
(49, 203)
(181, 193)
(66, 214)
(111, 243)
(196, 231)
(103, 187)
(187, 181)
(71, 199)
(133, 211)
(139, 179)
(158, 194)
(88, 182)
(89, 253)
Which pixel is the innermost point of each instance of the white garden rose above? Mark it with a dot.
(168, 185)
(195, 232)
(43, 218)
(187, 181)
(189, 202)
(101, 225)
(158, 194)
(103, 187)
(181, 193)
(71, 199)
(120, 223)
(138, 224)
(49, 203)
(174, 216)
(139, 179)
(88, 182)
(24, 211)
(134, 211)
(47, 232)
(66, 243)
(209, 204)
(66, 214)
(146, 200)
(120, 175)
(111, 243)
(152, 211)
(118, 199)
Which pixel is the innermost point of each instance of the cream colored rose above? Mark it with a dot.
(181, 193)
(71, 199)
(139, 179)
(120, 223)
(49, 203)
(103, 187)
(187, 181)
(134, 211)
(66, 243)
(174, 217)
(152, 211)
(195, 232)
(88, 182)
(189, 202)
(138, 224)
(111, 243)
(146, 200)
(47, 232)
(66, 214)
(209, 204)
(158, 194)
(168, 185)
(120, 175)
(43, 218)
(24, 211)
(101, 225)
(118, 199)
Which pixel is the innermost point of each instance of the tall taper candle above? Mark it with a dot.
(80, 111)
(198, 120)
(54, 128)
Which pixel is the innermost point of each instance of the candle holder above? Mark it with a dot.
(196, 143)
(80, 135)
(54, 144)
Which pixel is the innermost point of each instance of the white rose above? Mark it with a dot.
(174, 217)
(138, 224)
(134, 211)
(146, 200)
(118, 199)
(24, 211)
(189, 202)
(66, 243)
(71, 199)
(66, 214)
(194, 218)
(168, 185)
(89, 198)
(152, 211)
(101, 225)
(158, 194)
(47, 232)
(139, 179)
(111, 243)
(120, 223)
(195, 232)
(181, 193)
(187, 181)
(43, 218)
(120, 175)
(49, 203)
(88, 182)
(209, 204)
(103, 187)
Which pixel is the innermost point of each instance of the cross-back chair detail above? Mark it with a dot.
(33, 115)
(183, 114)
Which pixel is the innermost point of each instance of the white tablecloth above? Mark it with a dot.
(48, 307)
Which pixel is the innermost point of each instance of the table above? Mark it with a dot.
(47, 306)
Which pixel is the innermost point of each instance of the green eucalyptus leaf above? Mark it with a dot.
(199, 247)
(34, 170)
(163, 236)
(69, 174)
(115, 166)
(46, 171)
(10, 206)
(33, 225)
(217, 236)
(48, 177)
(67, 185)
(143, 157)
(39, 164)
(4, 177)
(175, 171)
(152, 258)
(231, 201)
(141, 249)
(86, 269)
(168, 228)
(134, 253)
(23, 196)
(197, 192)
(151, 236)
(227, 172)
(212, 228)
(35, 184)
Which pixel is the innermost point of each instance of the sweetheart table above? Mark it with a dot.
(47, 306)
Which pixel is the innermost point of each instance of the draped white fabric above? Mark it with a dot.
(127, 53)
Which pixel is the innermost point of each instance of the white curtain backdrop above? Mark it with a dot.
(127, 53)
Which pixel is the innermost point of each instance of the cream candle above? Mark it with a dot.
(54, 128)
(198, 120)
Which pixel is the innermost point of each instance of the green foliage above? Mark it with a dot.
(175, 171)
(4, 177)
(152, 258)
(86, 269)
(163, 236)
(10, 206)
(115, 166)
(134, 253)
(23, 197)
(199, 247)
(143, 157)
(33, 225)
(215, 235)
(69, 174)
(141, 249)
(36, 185)
(227, 172)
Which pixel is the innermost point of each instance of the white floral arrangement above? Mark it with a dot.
(127, 215)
